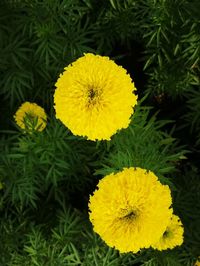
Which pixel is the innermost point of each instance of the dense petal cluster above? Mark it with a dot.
(173, 235)
(31, 116)
(94, 97)
(130, 210)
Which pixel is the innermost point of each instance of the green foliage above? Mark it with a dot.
(187, 200)
(57, 249)
(192, 117)
(143, 145)
(45, 177)
(172, 41)
(13, 227)
(52, 159)
(70, 242)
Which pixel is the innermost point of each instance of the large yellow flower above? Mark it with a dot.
(94, 97)
(173, 235)
(131, 209)
(30, 117)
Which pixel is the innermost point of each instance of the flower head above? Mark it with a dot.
(30, 117)
(131, 209)
(94, 97)
(173, 235)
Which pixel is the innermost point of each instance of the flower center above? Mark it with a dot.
(130, 216)
(166, 234)
(91, 94)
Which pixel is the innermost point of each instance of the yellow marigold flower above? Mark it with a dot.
(94, 97)
(131, 209)
(173, 235)
(31, 116)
